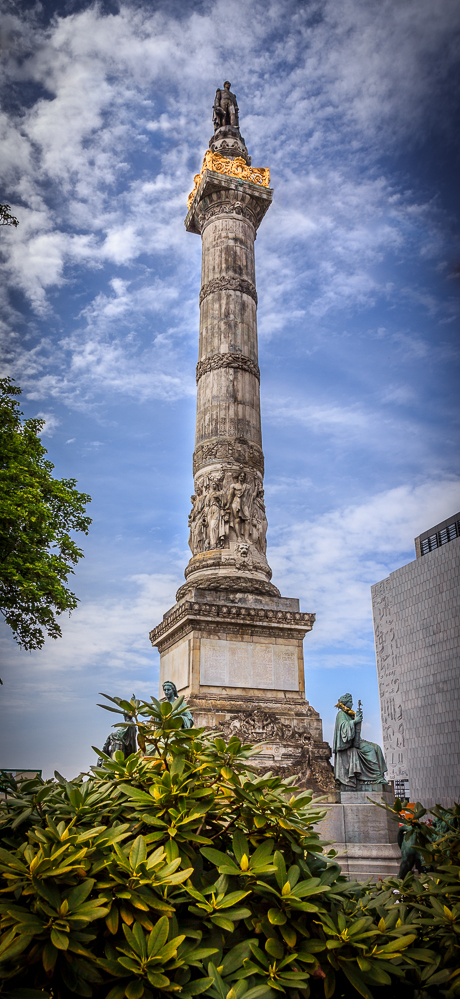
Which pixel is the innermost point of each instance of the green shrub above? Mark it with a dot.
(189, 872)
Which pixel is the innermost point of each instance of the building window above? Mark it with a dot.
(402, 789)
(440, 538)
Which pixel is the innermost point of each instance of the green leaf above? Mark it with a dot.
(217, 858)
(117, 992)
(258, 992)
(49, 956)
(278, 861)
(234, 958)
(158, 981)
(398, 944)
(136, 794)
(277, 917)
(138, 852)
(80, 893)
(274, 948)
(196, 987)
(59, 939)
(112, 920)
(223, 922)
(240, 845)
(134, 990)
(158, 936)
(356, 979)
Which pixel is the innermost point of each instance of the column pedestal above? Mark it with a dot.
(364, 835)
(238, 660)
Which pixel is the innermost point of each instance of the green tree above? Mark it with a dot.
(37, 512)
(6, 218)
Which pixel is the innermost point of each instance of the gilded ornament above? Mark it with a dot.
(233, 168)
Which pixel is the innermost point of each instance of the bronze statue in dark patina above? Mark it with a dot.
(225, 111)
(358, 765)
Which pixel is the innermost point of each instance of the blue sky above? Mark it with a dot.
(107, 114)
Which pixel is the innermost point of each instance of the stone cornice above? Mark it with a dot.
(216, 190)
(230, 283)
(217, 361)
(199, 615)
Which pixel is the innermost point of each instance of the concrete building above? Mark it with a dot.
(417, 644)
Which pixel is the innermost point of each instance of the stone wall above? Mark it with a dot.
(417, 641)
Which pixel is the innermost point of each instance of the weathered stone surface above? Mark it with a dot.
(364, 835)
(238, 660)
(231, 644)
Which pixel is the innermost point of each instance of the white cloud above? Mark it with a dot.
(52, 422)
(333, 559)
(352, 76)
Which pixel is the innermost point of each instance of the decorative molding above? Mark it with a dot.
(225, 208)
(229, 584)
(232, 168)
(216, 361)
(231, 283)
(228, 450)
(193, 614)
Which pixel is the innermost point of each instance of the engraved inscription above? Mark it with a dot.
(239, 664)
(262, 666)
(286, 670)
(213, 663)
(248, 664)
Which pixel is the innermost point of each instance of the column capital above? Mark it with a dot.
(219, 194)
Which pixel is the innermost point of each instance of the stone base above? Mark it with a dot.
(364, 835)
(238, 660)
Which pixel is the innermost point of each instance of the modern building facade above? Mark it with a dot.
(417, 644)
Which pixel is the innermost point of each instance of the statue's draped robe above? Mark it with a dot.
(354, 765)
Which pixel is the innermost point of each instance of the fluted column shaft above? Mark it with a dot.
(227, 522)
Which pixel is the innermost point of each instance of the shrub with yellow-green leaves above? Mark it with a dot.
(186, 872)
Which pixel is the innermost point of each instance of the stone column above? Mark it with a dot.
(228, 522)
(231, 644)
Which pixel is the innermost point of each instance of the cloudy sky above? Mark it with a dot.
(353, 106)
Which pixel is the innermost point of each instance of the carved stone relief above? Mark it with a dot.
(239, 450)
(215, 361)
(224, 283)
(228, 506)
(229, 208)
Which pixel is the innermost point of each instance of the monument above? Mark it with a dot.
(365, 837)
(232, 644)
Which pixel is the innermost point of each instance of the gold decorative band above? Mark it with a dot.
(233, 168)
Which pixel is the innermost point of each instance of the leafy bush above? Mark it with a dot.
(187, 871)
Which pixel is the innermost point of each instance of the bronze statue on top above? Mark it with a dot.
(225, 110)
(358, 765)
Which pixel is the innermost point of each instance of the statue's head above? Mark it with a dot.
(170, 690)
(227, 85)
(242, 477)
(347, 700)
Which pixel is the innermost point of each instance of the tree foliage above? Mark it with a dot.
(188, 872)
(37, 512)
(6, 218)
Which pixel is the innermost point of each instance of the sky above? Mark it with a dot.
(353, 105)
